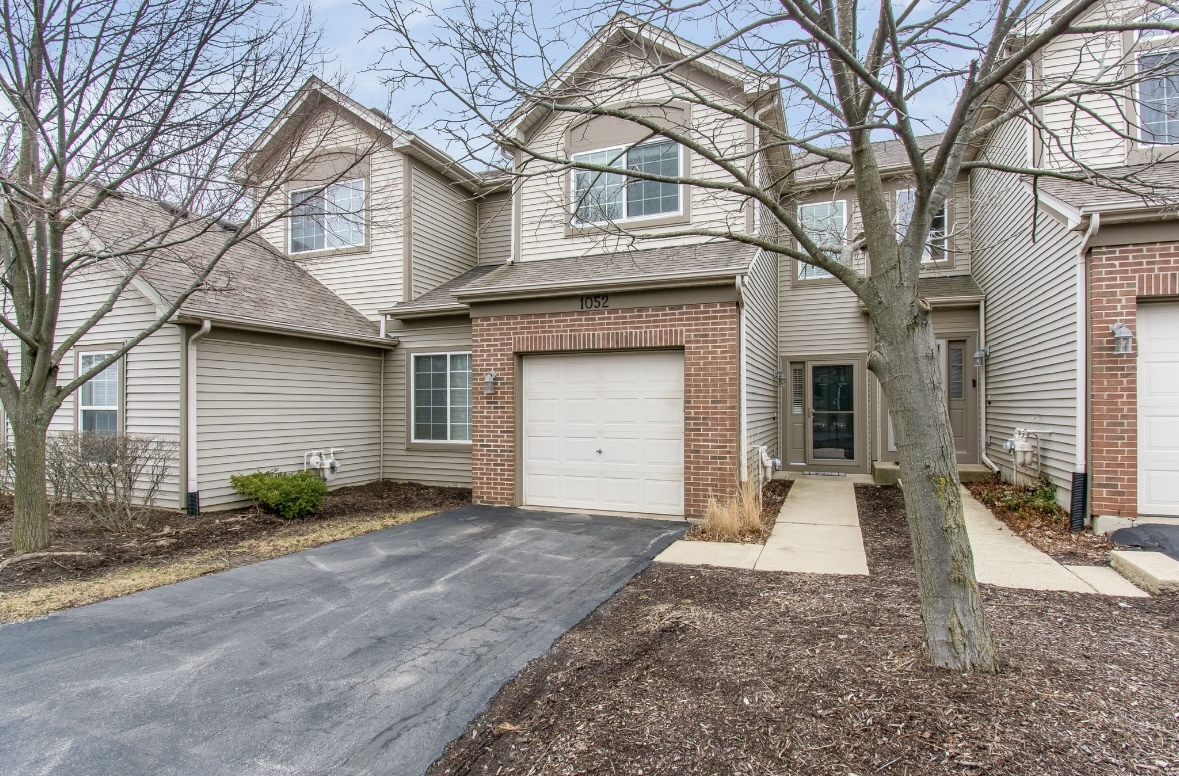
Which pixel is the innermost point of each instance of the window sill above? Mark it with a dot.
(1147, 153)
(627, 225)
(454, 447)
(329, 252)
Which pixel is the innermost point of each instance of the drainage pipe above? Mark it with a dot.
(193, 499)
(982, 387)
(1080, 483)
(742, 434)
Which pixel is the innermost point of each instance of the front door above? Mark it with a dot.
(959, 383)
(831, 436)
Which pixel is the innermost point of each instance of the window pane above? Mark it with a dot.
(344, 214)
(936, 246)
(1159, 98)
(306, 222)
(796, 391)
(597, 195)
(429, 397)
(460, 396)
(956, 372)
(100, 421)
(823, 223)
(645, 198)
(102, 390)
(833, 420)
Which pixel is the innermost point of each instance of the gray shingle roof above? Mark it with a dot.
(634, 266)
(1155, 185)
(441, 299)
(948, 287)
(252, 282)
(810, 168)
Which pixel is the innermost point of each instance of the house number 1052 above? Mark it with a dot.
(595, 302)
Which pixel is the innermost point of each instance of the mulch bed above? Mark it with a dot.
(773, 494)
(1045, 529)
(697, 670)
(169, 535)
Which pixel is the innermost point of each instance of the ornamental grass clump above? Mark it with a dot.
(291, 495)
(734, 518)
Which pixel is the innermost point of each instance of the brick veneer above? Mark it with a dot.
(1118, 277)
(707, 334)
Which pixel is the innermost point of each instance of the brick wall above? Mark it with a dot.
(1118, 277)
(707, 333)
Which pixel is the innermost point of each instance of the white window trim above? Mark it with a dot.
(323, 190)
(1159, 15)
(1139, 125)
(117, 407)
(679, 193)
(927, 256)
(413, 379)
(842, 228)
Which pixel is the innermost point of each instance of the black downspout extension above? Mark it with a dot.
(1076, 514)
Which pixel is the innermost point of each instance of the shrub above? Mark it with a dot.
(726, 519)
(291, 494)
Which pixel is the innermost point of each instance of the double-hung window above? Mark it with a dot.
(98, 398)
(327, 217)
(825, 224)
(601, 197)
(441, 397)
(1158, 97)
(935, 247)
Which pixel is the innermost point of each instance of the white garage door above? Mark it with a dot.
(605, 431)
(1158, 409)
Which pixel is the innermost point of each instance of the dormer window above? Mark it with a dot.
(1158, 97)
(605, 197)
(327, 217)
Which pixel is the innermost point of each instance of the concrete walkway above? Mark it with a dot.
(1003, 559)
(817, 532)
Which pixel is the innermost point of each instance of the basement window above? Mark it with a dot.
(441, 397)
(98, 398)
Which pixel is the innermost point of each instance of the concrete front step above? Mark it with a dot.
(1155, 571)
(889, 473)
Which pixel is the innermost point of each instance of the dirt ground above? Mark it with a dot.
(695, 670)
(773, 494)
(170, 536)
(1045, 529)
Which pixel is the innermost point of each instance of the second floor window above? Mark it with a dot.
(328, 217)
(1158, 97)
(824, 223)
(98, 398)
(935, 248)
(600, 197)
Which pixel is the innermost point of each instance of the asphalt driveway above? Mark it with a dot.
(363, 656)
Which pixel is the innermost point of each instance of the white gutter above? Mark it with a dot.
(982, 386)
(1082, 278)
(191, 407)
(743, 433)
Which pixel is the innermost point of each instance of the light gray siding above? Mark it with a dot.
(495, 228)
(433, 464)
(262, 402)
(442, 233)
(819, 318)
(1030, 312)
(761, 354)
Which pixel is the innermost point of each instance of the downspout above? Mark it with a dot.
(982, 386)
(381, 404)
(742, 435)
(1078, 500)
(193, 498)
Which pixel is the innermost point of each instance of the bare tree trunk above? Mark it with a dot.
(905, 361)
(30, 524)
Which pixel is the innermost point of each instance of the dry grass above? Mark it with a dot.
(38, 601)
(729, 519)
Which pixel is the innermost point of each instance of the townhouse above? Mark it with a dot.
(412, 320)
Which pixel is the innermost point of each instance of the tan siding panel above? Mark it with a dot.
(495, 229)
(443, 231)
(761, 359)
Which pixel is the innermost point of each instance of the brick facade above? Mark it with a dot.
(707, 334)
(1118, 277)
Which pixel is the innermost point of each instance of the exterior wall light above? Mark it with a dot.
(489, 382)
(780, 377)
(1123, 338)
(980, 357)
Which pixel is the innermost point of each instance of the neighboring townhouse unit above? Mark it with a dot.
(1066, 265)
(436, 325)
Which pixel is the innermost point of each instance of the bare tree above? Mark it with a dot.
(143, 101)
(845, 74)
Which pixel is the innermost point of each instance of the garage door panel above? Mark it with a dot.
(546, 411)
(544, 449)
(630, 406)
(1158, 409)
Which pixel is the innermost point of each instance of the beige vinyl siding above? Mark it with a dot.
(151, 386)
(262, 405)
(442, 233)
(544, 196)
(761, 354)
(495, 228)
(1030, 313)
(369, 278)
(819, 317)
(430, 464)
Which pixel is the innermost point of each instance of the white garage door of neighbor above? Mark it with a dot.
(1158, 409)
(605, 432)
